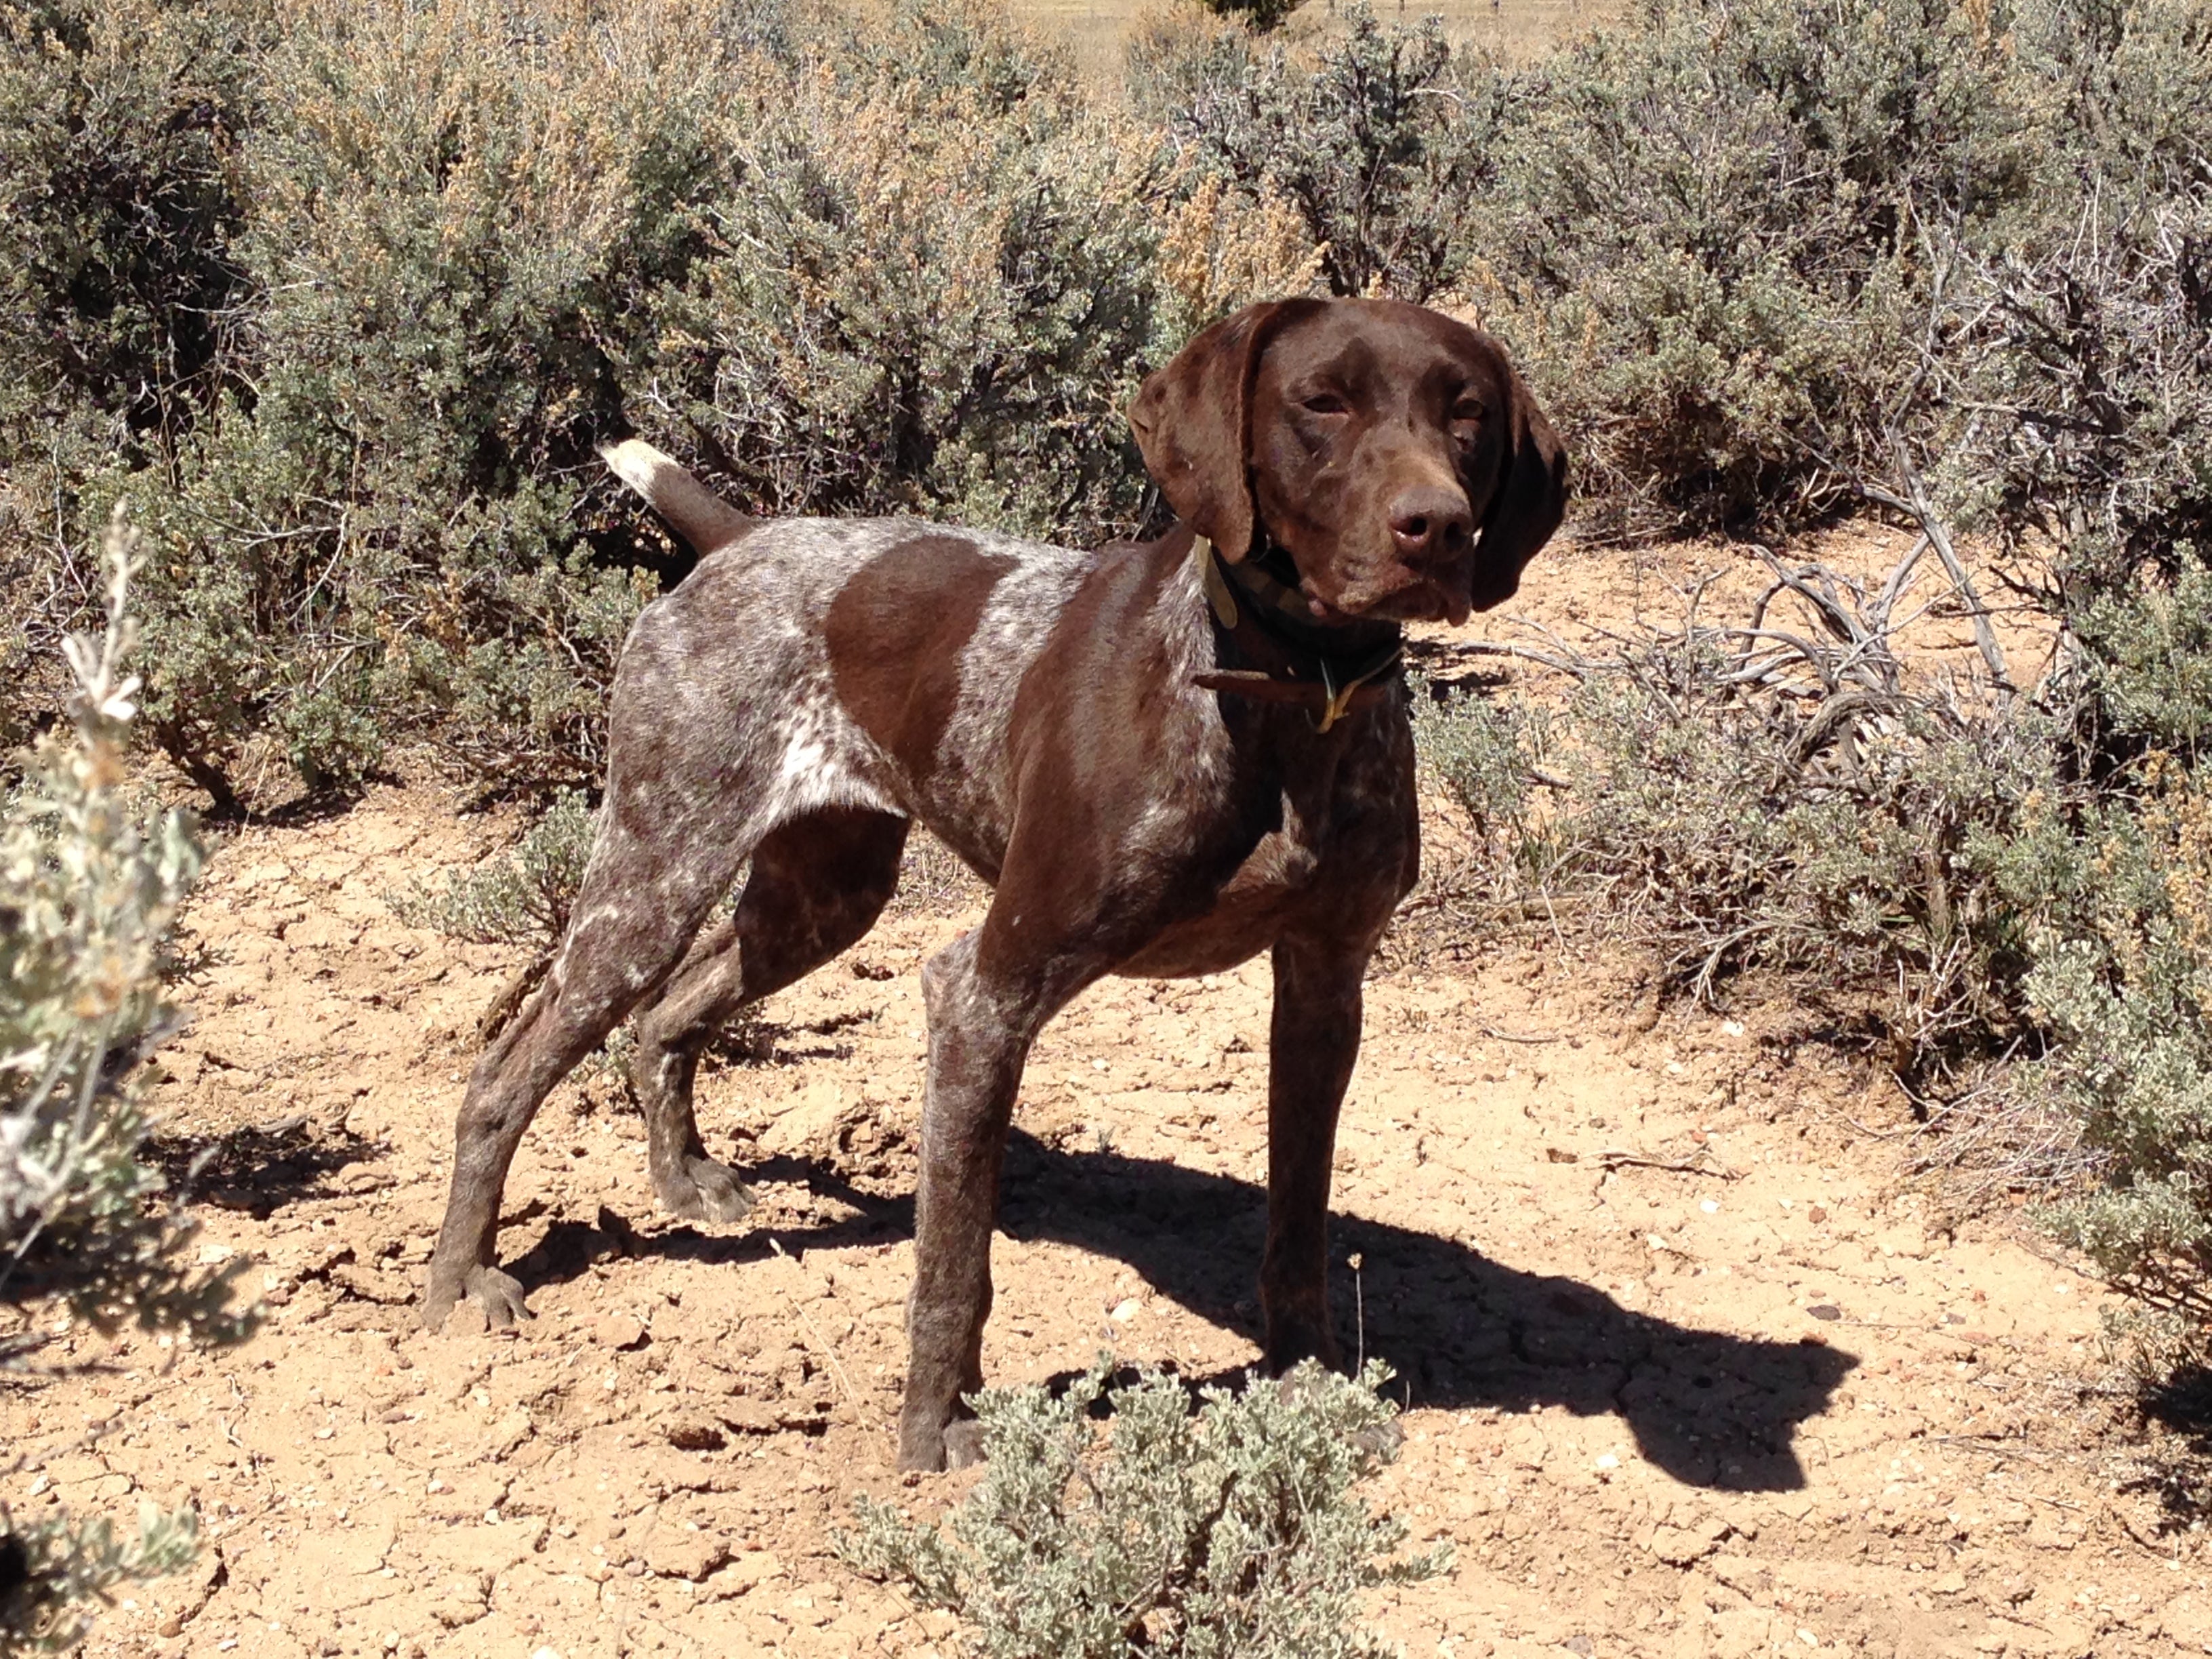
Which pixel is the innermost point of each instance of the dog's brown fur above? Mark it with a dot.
(1151, 786)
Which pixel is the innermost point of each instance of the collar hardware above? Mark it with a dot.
(1280, 611)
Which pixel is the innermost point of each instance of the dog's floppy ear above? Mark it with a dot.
(1194, 422)
(1530, 499)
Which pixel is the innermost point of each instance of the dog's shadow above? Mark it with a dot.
(1459, 1329)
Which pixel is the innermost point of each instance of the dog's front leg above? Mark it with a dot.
(1313, 1045)
(979, 1038)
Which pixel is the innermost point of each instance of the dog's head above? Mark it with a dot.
(1390, 450)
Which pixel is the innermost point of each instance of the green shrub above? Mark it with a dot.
(1231, 1531)
(900, 263)
(458, 225)
(118, 208)
(50, 1573)
(522, 896)
(932, 292)
(119, 205)
(89, 894)
(2126, 991)
(1708, 240)
(1726, 237)
(2088, 370)
(1733, 799)
(1261, 15)
(1385, 149)
(2083, 371)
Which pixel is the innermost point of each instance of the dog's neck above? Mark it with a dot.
(1276, 650)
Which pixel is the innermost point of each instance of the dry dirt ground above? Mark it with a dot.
(1689, 1369)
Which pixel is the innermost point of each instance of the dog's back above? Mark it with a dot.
(870, 663)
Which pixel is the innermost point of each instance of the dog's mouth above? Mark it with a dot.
(1419, 598)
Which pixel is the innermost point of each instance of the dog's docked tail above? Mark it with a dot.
(693, 510)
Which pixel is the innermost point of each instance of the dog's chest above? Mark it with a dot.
(1333, 855)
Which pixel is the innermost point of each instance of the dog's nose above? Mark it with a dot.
(1431, 522)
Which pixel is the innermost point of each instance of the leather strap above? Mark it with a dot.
(1339, 685)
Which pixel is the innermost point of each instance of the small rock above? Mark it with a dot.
(616, 1330)
(742, 1573)
(749, 1417)
(1678, 1546)
(672, 1553)
(689, 1433)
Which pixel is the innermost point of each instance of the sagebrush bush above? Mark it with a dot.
(1384, 150)
(2127, 993)
(2087, 372)
(118, 209)
(898, 262)
(1723, 236)
(1230, 1531)
(934, 287)
(1710, 238)
(1849, 844)
(456, 225)
(521, 897)
(89, 890)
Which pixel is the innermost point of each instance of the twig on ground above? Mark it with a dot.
(1522, 1037)
(1702, 1163)
(1993, 1445)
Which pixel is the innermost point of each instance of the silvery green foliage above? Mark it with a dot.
(50, 1572)
(933, 290)
(89, 894)
(1383, 144)
(1231, 1531)
(521, 896)
(2134, 1067)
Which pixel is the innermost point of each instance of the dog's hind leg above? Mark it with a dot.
(818, 884)
(643, 898)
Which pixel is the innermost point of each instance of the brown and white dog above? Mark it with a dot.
(1165, 759)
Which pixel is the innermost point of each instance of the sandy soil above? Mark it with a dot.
(1687, 1370)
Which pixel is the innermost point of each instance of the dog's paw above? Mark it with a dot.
(964, 1444)
(703, 1190)
(932, 1448)
(495, 1295)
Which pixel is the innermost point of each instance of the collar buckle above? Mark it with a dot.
(1340, 682)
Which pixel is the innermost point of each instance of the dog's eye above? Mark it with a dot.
(1325, 403)
(1466, 412)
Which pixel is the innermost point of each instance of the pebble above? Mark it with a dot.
(617, 1331)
